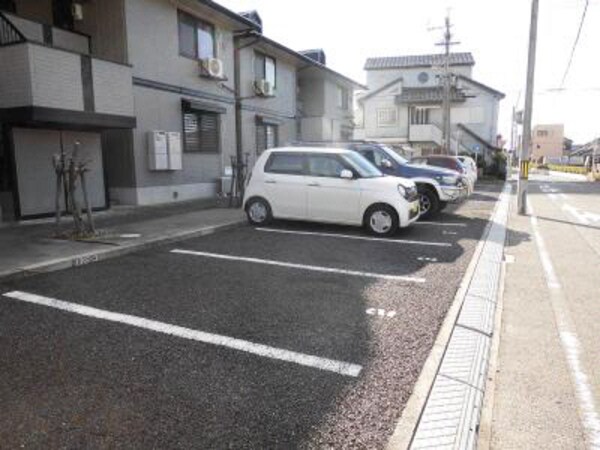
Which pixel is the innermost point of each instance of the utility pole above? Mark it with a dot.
(526, 137)
(446, 86)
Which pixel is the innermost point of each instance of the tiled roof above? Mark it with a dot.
(427, 95)
(398, 62)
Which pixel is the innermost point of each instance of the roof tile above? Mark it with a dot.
(397, 62)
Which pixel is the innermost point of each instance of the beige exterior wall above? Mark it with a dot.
(547, 140)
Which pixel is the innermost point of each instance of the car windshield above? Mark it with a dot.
(362, 166)
(394, 155)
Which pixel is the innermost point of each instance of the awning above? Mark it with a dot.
(195, 105)
(266, 120)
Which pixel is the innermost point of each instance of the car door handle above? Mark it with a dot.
(270, 181)
(314, 184)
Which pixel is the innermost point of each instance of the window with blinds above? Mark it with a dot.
(201, 132)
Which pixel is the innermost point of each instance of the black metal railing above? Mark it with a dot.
(9, 34)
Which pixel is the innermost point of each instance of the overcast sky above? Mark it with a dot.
(495, 31)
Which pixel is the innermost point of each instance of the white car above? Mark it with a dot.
(328, 185)
(471, 167)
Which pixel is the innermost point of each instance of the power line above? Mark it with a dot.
(585, 8)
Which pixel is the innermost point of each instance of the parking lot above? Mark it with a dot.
(292, 335)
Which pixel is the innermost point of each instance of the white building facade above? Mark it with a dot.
(403, 105)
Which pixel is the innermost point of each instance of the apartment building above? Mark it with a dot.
(403, 105)
(159, 95)
(547, 141)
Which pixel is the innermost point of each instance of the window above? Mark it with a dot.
(286, 163)
(325, 166)
(387, 117)
(196, 38)
(542, 133)
(265, 68)
(419, 116)
(201, 132)
(266, 137)
(343, 98)
(374, 156)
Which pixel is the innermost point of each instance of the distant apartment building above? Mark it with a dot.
(547, 141)
(159, 94)
(403, 105)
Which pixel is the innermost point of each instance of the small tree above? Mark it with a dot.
(70, 172)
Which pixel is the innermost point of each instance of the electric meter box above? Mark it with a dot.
(158, 156)
(174, 150)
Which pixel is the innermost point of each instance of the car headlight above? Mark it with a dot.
(447, 179)
(402, 190)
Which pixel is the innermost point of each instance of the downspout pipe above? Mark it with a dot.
(237, 47)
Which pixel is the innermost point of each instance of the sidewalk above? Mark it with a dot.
(29, 247)
(542, 392)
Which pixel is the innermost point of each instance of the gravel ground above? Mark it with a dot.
(73, 382)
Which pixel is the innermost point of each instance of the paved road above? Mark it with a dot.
(293, 336)
(548, 385)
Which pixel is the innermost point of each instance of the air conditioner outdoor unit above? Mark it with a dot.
(212, 67)
(263, 88)
(77, 11)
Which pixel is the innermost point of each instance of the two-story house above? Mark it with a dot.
(159, 94)
(403, 106)
(65, 78)
(325, 101)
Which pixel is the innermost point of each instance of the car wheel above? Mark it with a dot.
(429, 202)
(381, 220)
(258, 211)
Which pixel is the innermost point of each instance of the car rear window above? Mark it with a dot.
(285, 163)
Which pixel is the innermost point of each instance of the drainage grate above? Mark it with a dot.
(450, 419)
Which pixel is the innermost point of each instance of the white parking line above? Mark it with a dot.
(300, 266)
(441, 224)
(330, 365)
(350, 236)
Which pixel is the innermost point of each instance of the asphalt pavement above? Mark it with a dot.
(547, 388)
(240, 339)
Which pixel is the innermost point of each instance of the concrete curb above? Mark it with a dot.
(452, 414)
(112, 252)
(487, 410)
(409, 420)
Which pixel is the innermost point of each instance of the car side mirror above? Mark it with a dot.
(346, 174)
(386, 164)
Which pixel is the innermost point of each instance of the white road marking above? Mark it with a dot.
(441, 224)
(330, 365)
(579, 216)
(380, 312)
(569, 340)
(551, 277)
(300, 266)
(450, 233)
(425, 258)
(350, 236)
(130, 235)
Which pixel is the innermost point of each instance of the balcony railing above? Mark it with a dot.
(35, 75)
(9, 34)
(15, 28)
